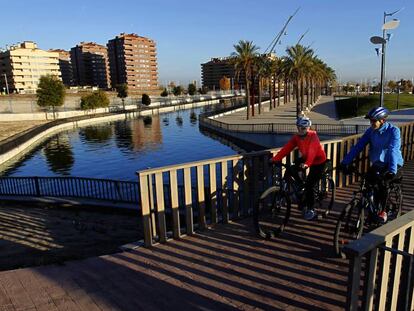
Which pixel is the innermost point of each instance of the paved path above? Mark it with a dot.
(222, 268)
(323, 112)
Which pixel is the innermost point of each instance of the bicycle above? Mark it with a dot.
(352, 220)
(272, 211)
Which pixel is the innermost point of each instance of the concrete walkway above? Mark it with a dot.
(323, 112)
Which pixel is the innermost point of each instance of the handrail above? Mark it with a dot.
(71, 187)
(389, 250)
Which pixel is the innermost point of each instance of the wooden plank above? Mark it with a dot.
(246, 189)
(159, 188)
(224, 187)
(353, 283)
(188, 201)
(370, 280)
(412, 142)
(175, 205)
(256, 179)
(151, 202)
(145, 209)
(236, 194)
(411, 251)
(213, 192)
(334, 161)
(384, 276)
(341, 157)
(201, 197)
(397, 272)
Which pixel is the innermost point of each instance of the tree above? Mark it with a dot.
(392, 85)
(50, 92)
(203, 90)
(164, 93)
(299, 61)
(146, 100)
(97, 99)
(224, 83)
(192, 89)
(177, 90)
(243, 59)
(122, 90)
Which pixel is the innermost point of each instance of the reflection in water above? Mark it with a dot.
(193, 118)
(179, 121)
(59, 155)
(118, 149)
(149, 135)
(96, 134)
(147, 121)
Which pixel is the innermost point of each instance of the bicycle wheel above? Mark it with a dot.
(394, 202)
(325, 195)
(271, 213)
(349, 227)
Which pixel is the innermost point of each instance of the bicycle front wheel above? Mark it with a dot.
(271, 213)
(349, 227)
(394, 202)
(326, 195)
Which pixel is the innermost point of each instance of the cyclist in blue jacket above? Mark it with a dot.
(384, 153)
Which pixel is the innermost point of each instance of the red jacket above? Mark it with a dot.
(309, 146)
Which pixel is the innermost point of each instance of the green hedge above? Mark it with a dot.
(346, 108)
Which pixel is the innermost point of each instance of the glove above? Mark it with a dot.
(344, 168)
(389, 175)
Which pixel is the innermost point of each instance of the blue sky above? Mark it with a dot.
(189, 33)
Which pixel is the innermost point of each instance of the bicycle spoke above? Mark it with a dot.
(349, 226)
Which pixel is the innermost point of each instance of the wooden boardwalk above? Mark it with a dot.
(223, 268)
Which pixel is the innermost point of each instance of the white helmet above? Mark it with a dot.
(303, 122)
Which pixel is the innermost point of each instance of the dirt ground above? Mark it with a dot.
(8, 129)
(33, 234)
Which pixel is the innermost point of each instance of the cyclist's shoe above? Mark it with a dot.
(382, 217)
(309, 214)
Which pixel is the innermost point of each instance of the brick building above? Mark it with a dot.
(65, 66)
(90, 65)
(133, 61)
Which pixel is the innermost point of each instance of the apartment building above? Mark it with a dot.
(90, 65)
(215, 69)
(22, 65)
(65, 66)
(133, 61)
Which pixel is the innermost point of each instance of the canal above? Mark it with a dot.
(117, 149)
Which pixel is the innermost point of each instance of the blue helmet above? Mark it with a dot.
(303, 122)
(377, 113)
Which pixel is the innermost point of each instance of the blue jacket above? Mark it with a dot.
(384, 147)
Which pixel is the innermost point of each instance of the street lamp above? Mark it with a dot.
(383, 41)
(357, 86)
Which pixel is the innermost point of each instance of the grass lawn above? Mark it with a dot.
(346, 107)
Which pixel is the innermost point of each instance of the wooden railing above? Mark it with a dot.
(386, 256)
(221, 189)
(71, 187)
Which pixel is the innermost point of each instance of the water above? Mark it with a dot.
(116, 150)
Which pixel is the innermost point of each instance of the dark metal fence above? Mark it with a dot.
(284, 128)
(71, 187)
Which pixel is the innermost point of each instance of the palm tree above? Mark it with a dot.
(298, 62)
(243, 59)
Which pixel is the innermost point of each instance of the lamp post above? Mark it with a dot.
(7, 86)
(357, 92)
(383, 41)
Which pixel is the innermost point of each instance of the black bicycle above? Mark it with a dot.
(361, 213)
(271, 213)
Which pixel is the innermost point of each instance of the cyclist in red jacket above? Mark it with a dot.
(312, 156)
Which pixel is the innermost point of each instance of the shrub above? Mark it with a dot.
(164, 93)
(97, 99)
(146, 100)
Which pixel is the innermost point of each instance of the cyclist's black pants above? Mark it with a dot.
(314, 176)
(375, 177)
